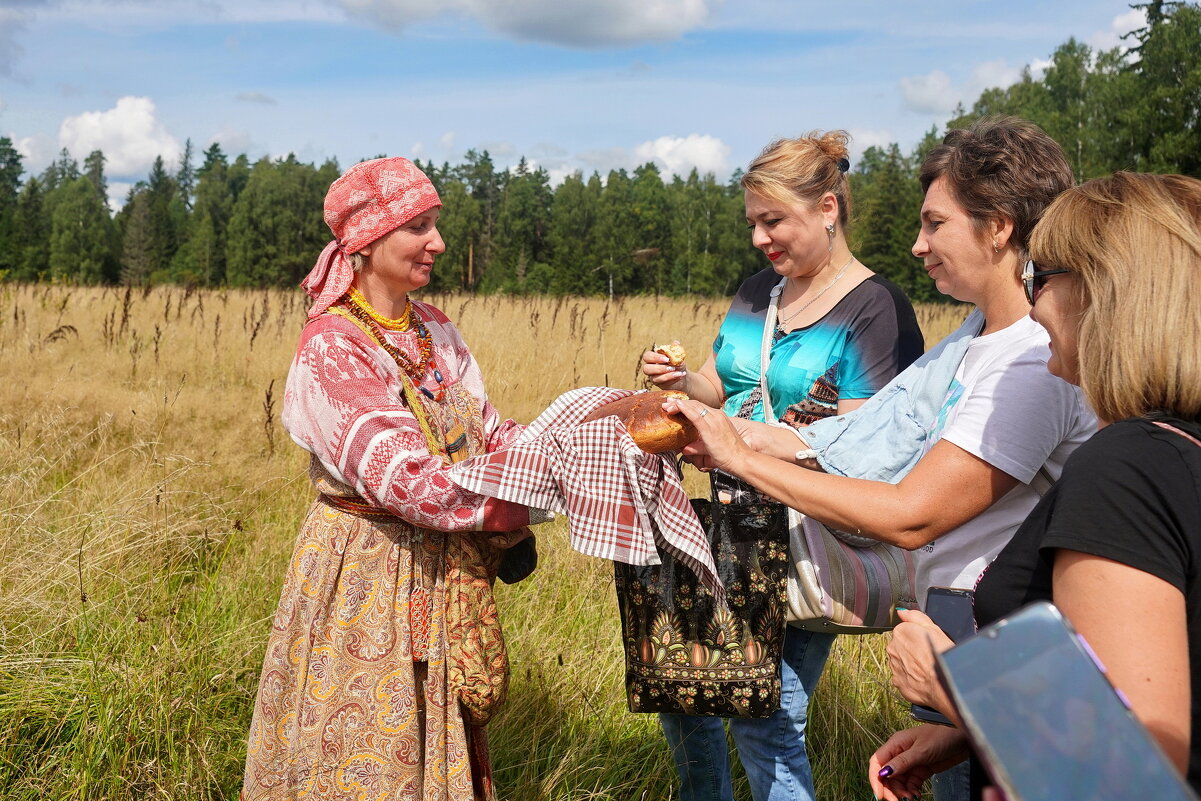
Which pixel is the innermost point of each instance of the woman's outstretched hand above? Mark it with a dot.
(719, 445)
(659, 370)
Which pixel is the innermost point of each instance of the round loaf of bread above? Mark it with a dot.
(651, 428)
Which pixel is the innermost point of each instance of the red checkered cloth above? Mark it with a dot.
(621, 503)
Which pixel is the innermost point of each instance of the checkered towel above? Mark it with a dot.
(621, 502)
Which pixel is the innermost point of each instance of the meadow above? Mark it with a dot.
(149, 500)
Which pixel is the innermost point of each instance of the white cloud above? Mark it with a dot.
(417, 150)
(931, 93)
(129, 134)
(681, 154)
(1121, 24)
(936, 93)
(582, 23)
(863, 138)
(36, 151)
(233, 140)
(989, 74)
(447, 142)
(117, 192)
(1039, 65)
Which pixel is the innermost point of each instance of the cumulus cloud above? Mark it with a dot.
(1120, 25)
(583, 23)
(681, 154)
(117, 192)
(447, 142)
(129, 134)
(936, 93)
(256, 97)
(36, 151)
(988, 74)
(863, 138)
(233, 140)
(1039, 65)
(931, 93)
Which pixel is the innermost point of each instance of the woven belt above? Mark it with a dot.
(355, 506)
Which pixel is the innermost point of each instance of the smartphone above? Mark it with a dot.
(1044, 719)
(951, 609)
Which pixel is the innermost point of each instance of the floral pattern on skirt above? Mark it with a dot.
(339, 715)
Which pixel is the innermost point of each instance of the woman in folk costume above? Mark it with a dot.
(385, 657)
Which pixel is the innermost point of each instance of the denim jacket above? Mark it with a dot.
(883, 439)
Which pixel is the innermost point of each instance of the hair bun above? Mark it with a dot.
(843, 164)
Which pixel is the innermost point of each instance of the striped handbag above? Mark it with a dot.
(837, 582)
(844, 584)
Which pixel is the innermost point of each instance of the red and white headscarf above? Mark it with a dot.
(371, 199)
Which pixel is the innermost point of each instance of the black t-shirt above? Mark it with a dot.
(1131, 493)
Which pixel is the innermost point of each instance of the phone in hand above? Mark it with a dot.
(1044, 719)
(951, 610)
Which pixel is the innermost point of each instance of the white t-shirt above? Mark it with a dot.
(1005, 408)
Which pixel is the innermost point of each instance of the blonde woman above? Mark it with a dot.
(1116, 543)
(947, 468)
(841, 333)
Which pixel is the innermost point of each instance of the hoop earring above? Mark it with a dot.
(830, 234)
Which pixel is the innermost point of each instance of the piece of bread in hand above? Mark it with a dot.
(674, 352)
(652, 429)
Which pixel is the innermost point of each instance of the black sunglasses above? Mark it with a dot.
(1034, 279)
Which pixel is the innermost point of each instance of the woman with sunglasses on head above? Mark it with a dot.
(947, 469)
(1116, 543)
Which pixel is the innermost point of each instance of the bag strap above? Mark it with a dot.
(769, 332)
(1184, 434)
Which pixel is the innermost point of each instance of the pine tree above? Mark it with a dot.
(31, 234)
(93, 169)
(571, 237)
(81, 235)
(458, 222)
(10, 188)
(276, 228)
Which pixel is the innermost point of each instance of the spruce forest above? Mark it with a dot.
(216, 219)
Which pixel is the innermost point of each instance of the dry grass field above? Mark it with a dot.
(148, 504)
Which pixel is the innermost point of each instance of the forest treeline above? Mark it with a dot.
(226, 221)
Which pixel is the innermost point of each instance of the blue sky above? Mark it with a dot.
(570, 84)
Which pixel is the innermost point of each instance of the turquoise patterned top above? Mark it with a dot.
(851, 352)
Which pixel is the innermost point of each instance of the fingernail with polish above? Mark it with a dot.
(885, 772)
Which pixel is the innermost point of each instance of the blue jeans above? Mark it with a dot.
(772, 749)
(953, 784)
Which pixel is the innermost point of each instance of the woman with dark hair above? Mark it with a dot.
(947, 458)
(1116, 543)
(385, 657)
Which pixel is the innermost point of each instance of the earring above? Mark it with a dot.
(995, 247)
(830, 234)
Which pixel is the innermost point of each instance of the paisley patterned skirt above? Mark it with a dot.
(385, 652)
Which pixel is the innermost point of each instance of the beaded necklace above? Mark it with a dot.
(356, 305)
(401, 323)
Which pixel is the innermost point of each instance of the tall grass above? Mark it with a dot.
(149, 500)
